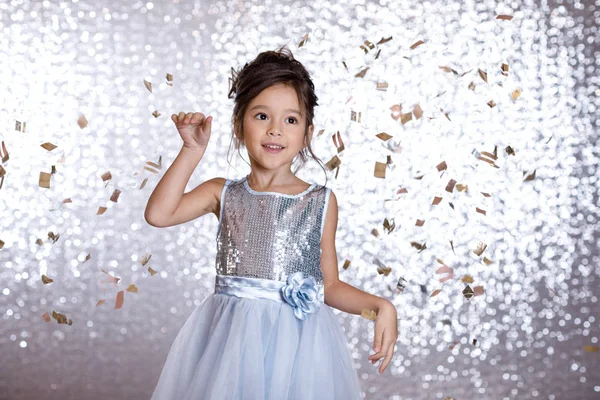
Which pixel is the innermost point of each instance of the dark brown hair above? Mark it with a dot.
(267, 69)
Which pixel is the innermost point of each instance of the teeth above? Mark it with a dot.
(273, 147)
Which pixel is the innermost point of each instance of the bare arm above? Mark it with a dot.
(168, 204)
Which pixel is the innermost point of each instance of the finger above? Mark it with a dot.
(388, 358)
(197, 118)
(207, 124)
(187, 118)
(378, 337)
(180, 117)
(174, 118)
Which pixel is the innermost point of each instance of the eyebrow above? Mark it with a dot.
(287, 109)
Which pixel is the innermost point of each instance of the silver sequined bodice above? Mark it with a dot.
(270, 235)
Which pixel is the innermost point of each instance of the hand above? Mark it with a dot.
(194, 129)
(386, 333)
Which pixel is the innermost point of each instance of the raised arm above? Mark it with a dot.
(168, 205)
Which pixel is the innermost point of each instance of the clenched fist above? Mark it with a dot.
(194, 129)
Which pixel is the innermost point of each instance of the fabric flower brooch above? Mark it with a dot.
(302, 294)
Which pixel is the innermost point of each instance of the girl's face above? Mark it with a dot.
(274, 116)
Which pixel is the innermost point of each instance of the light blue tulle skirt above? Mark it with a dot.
(245, 342)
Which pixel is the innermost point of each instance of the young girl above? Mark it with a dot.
(267, 332)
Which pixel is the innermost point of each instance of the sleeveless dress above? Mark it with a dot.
(265, 332)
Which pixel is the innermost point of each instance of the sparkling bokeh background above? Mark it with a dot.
(532, 333)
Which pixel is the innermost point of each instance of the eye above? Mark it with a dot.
(259, 114)
(292, 118)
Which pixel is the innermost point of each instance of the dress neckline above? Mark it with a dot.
(249, 189)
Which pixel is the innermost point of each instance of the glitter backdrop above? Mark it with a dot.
(468, 175)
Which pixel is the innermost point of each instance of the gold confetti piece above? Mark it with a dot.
(378, 53)
(60, 318)
(396, 111)
(132, 288)
(448, 69)
(169, 78)
(362, 73)
(112, 279)
(304, 40)
(467, 279)
(400, 285)
(504, 69)
(389, 227)
(82, 121)
(504, 17)
(368, 314)
(87, 257)
(420, 222)
(416, 44)
(491, 103)
(384, 40)
(100, 302)
(148, 85)
(39, 242)
(419, 246)
(46, 316)
(591, 348)
(5, 155)
(20, 126)
(468, 292)
(509, 150)
(368, 44)
(482, 75)
(48, 146)
(515, 94)
(487, 261)
(472, 86)
(156, 114)
(444, 269)
(375, 232)
(44, 180)
(346, 264)
(151, 271)
(454, 343)
(355, 116)
(143, 184)
(345, 66)
(320, 132)
(450, 185)
(435, 292)
(418, 111)
(53, 237)
(119, 300)
(106, 176)
(115, 196)
(480, 248)
(442, 166)
(46, 280)
(529, 177)
(333, 163)
(379, 171)
(479, 210)
(151, 170)
(145, 259)
(340, 147)
(155, 165)
(474, 342)
(402, 191)
(382, 270)
(382, 86)
(452, 246)
(461, 188)
(436, 201)
(404, 118)
(384, 136)
(478, 290)
(101, 210)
